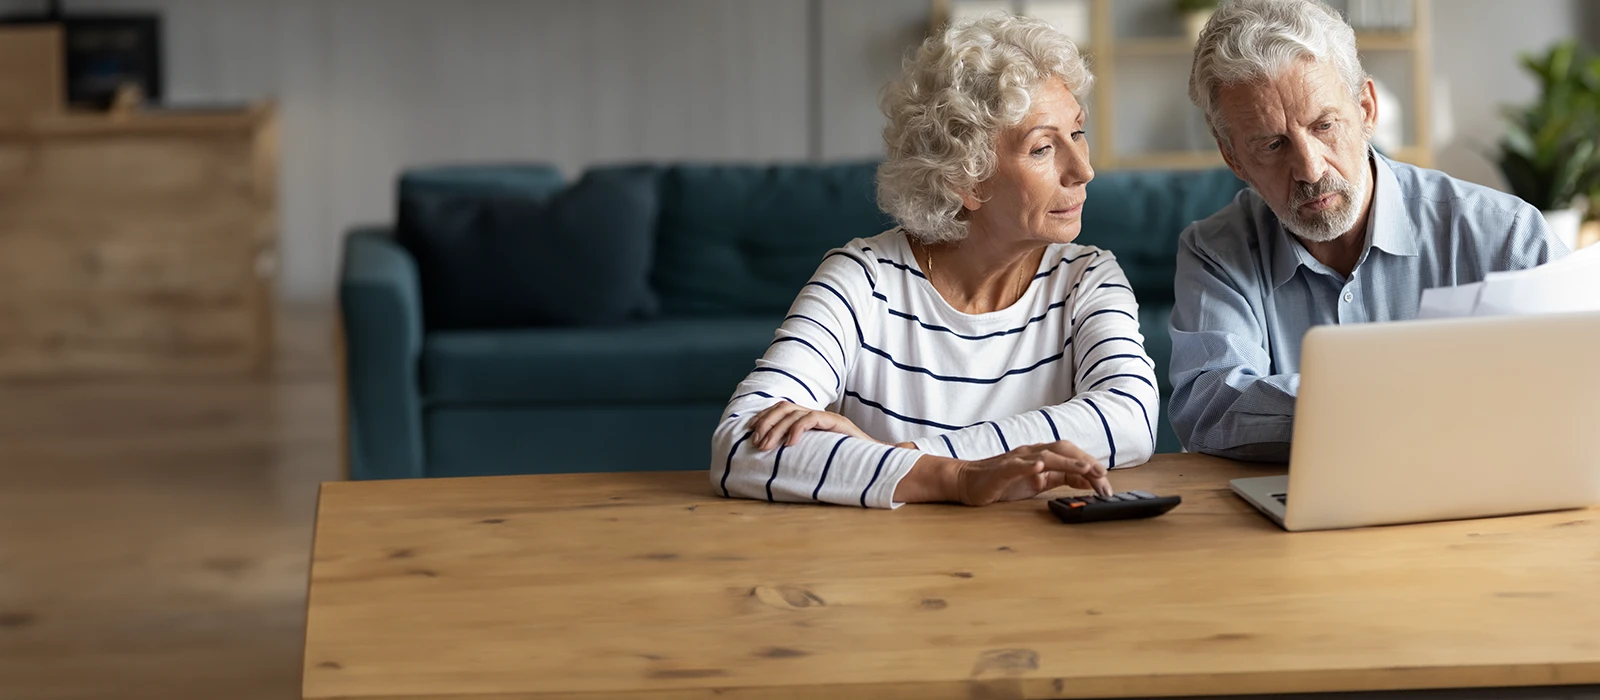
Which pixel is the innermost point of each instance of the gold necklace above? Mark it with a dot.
(1022, 279)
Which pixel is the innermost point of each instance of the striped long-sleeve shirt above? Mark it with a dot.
(870, 338)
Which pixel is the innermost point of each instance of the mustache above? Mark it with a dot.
(1329, 184)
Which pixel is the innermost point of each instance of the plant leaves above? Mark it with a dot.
(1523, 179)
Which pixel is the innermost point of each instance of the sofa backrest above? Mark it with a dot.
(741, 240)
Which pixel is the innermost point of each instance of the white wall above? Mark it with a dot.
(1476, 49)
(368, 87)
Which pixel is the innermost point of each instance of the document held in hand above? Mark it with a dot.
(1568, 285)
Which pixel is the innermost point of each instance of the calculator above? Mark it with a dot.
(1123, 506)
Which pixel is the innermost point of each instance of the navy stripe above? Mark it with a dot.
(775, 370)
(825, 466)
(964, 380)
(897, 416)
(1107, 358)
(841, 254)
(847, 306)
(906, 268)
(728, 469)
(1146, 413)
(1115, 285)
(1004, 446)
(1077, 322)
(949, 446)
(763, 395)
(791, 339)
(1114, 376)
(1111, 442)
(1064, 261)
(823, 327)
(1107, 340)
(1047, 419)
(1081, 280)
(879, 296)
(996, 334)
(775, 461)
(875, 474)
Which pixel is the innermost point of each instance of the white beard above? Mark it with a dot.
(1328, 224)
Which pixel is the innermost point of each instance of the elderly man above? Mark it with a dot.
(1328, 232)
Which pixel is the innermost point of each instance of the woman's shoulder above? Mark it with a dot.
(861, 259)
(1068, 262)
(889, 245)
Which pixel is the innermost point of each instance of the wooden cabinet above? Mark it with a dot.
(139, 243)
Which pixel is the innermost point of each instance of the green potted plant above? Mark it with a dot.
(1195, 14)
(1550, 153)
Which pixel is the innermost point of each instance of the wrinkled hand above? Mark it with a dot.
(784, 423)
(1028, 471)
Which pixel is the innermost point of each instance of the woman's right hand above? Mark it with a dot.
(1028, 471)
(1022, 473)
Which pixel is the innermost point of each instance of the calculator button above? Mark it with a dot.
(1141, 495)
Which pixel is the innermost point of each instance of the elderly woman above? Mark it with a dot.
(972, 354)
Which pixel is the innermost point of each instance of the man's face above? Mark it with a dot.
(1300, 140)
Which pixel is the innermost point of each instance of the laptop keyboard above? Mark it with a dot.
(1282, 498)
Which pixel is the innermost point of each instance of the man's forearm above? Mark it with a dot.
(1235, 416)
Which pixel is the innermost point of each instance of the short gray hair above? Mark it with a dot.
(955, 95)
(1255, 40)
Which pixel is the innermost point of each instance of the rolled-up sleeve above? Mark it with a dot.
(1225, 399)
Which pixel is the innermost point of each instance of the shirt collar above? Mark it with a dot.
(1388, 227)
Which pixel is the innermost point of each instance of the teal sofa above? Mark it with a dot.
(513, 322)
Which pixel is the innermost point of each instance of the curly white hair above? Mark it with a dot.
(955, 95)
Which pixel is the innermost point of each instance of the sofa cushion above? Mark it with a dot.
(743, 240)
(1139, 214)
(661, 361)
(504, 246)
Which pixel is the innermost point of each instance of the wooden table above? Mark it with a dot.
(646, 585)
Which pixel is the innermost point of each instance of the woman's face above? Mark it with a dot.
(1041, 167)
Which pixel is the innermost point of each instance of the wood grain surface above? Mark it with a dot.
(646, 585)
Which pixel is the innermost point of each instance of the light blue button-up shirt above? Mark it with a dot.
(1247, 291)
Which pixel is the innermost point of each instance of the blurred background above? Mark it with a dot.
(179, 180)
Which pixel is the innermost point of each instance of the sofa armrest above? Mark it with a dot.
(380, 307)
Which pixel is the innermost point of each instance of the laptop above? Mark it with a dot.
(1421, 421)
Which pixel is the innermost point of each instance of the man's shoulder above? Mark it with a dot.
(1459, 197)
(1232, 234)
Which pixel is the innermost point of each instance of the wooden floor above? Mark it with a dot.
(155, 536)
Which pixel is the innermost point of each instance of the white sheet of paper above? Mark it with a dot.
(1450, 302)
(1571, 284)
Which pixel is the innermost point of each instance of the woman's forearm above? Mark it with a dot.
(933, 479)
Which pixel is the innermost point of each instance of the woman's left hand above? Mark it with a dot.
(784, 422)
